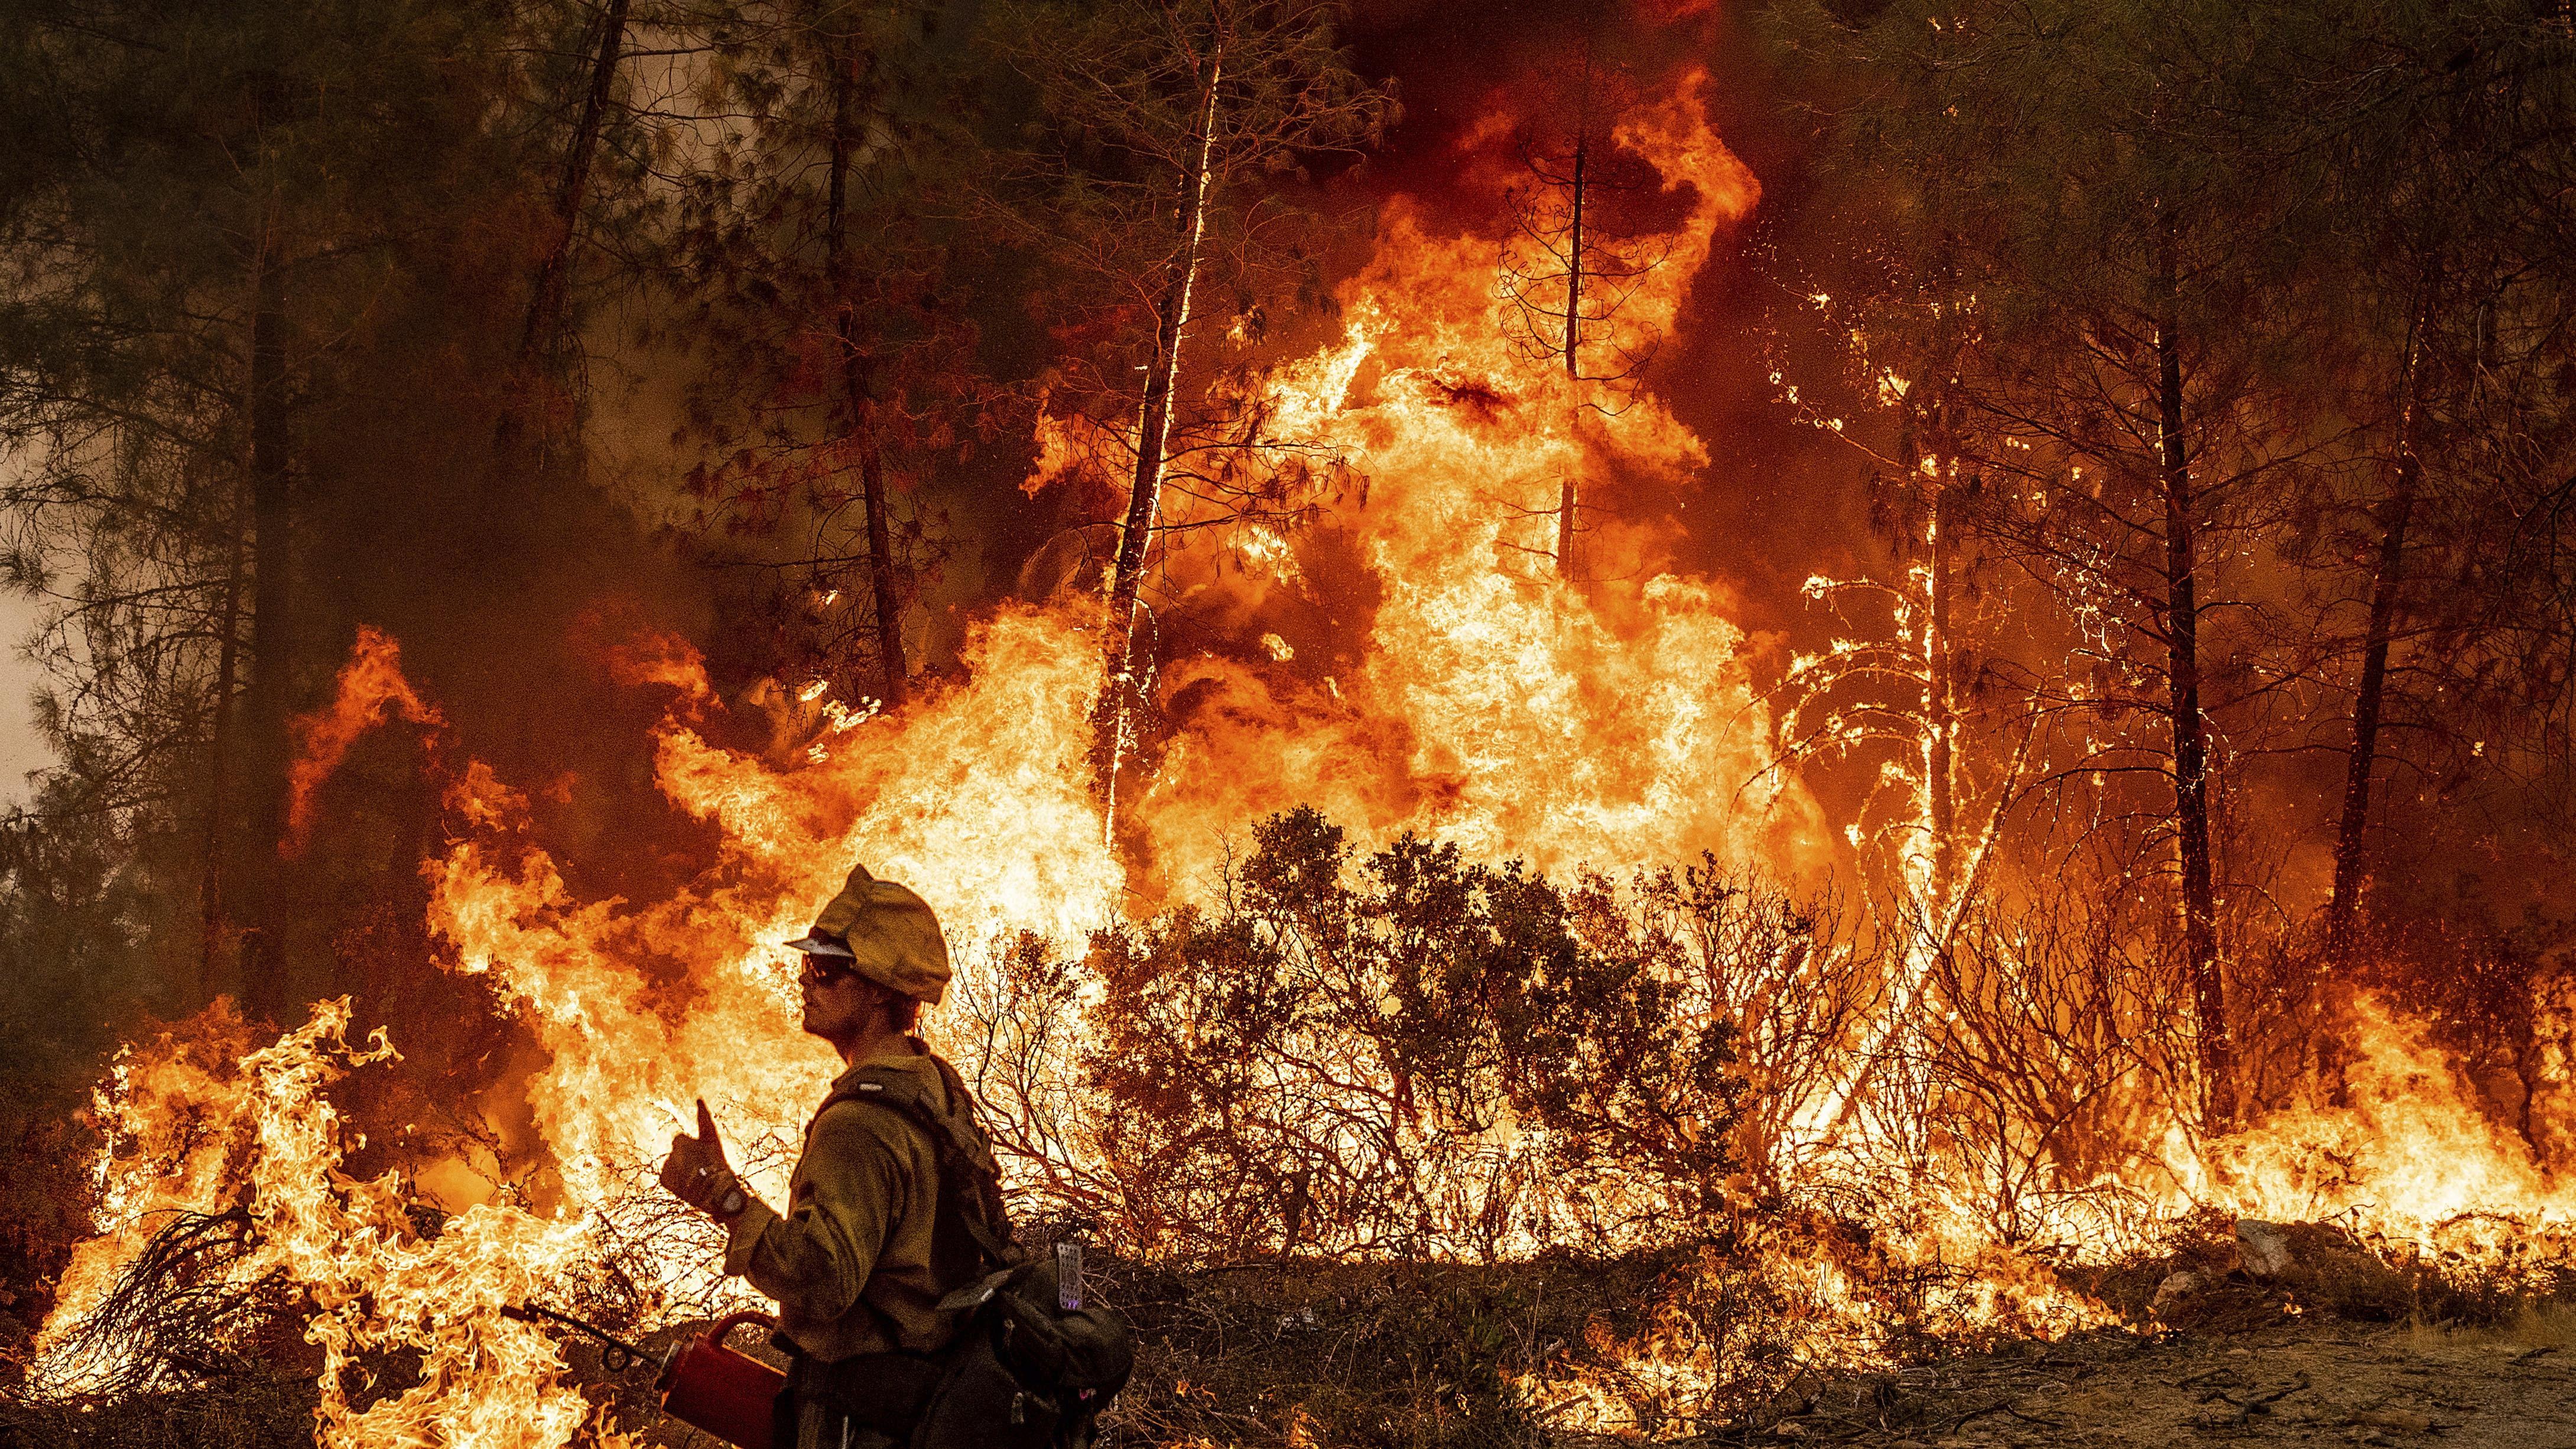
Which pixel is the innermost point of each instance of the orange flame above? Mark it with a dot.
(1496, 705)
(270, 1147)
(2411, 1154)
(371, 686)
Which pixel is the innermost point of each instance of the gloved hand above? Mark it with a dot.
(696, 1172)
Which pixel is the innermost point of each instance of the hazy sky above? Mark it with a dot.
(20, 749)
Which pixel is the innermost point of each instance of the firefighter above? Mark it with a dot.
(862, 1255)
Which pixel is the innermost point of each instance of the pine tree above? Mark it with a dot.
(1150, 181)
(1569, 267)
(2117, 385)
(215, 209)
(834, 357)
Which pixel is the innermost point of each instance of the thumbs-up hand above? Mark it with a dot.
(696, 1172)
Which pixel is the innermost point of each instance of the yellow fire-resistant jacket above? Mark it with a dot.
(851, 1262)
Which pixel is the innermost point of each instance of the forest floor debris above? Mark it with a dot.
(1395, 1355)
(2297, 1381)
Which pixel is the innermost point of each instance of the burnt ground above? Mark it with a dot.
(2298, 1382)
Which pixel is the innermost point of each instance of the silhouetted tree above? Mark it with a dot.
(833, 348)
(1569, 266)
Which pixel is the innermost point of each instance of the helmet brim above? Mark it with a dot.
(822, 943)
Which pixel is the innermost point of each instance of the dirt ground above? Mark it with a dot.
(2294, 1383)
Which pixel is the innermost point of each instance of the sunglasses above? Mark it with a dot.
(822, 970)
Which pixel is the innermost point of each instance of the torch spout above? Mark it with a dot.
(626, 1355)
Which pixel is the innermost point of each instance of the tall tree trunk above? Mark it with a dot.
(214, 925)
(856, 381)
(1119, 694)
(1950, 876)
(2396, 512)
(1569, 501)
(266, 988)
(2343, 906)
(1938, 807)
(2190, 728)
(881, 575)
(543, 324)
(1940, 708)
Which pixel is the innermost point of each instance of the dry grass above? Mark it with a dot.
(242, 1412)
(1274, 1353)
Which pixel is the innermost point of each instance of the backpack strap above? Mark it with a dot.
(970, 1179)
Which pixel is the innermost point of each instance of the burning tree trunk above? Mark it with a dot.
(2190, 728)
(1562, 242)
(2395, 513)
(1932, 857)
(1570, 497)
(1940, 706)
(1569, 500)
(1937, 889)
(1123, 691)
(1155, 114)
(1938, 872)
(544, 321)
(856, 381)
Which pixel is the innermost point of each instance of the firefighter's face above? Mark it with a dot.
(838, 1001)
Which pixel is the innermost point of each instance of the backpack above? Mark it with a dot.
(1021, 1371)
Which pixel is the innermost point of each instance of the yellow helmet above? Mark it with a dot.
(886, 933)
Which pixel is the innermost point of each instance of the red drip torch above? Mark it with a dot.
(733, 1396)
(704, 1384)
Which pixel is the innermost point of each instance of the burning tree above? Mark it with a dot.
(1894, 692)
(1573, 262)
(1167, 133)
(2107, 376)
(1901, 684)
(1912, 685)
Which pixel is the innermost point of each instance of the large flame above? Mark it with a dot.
(191, 1132)
(2411, 1153)
(1496, 704)
(371, 689)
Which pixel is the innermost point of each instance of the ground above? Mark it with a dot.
(1387, 1355)
(2290, 1383)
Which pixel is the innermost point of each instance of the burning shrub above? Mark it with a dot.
(1790, 983)
(181, 1314)
(2032, 1080)
(2495, 996)
(1459, 1080)
(1409, 1053)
